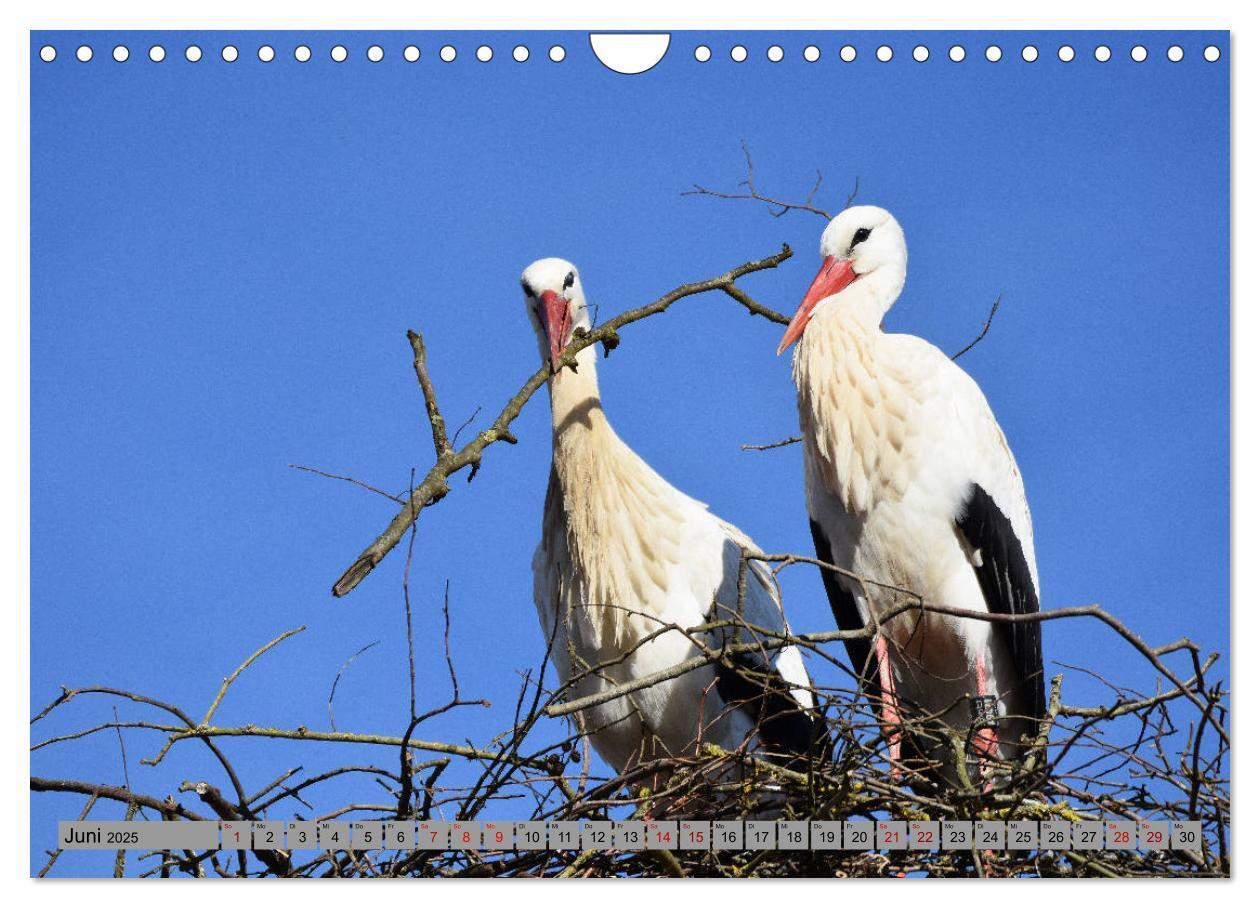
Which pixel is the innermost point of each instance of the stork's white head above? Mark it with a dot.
(556, 305)
(863, 243)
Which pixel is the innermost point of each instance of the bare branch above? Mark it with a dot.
(332, 692)
(776, 207)
(350, 479)
(795, 439)
(983, 331)
(441, 447)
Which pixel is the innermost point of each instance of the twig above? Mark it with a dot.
(257, 654)
(983, 331)
(795, 439)
(167, 808)
(411, 648)
(292, 734)
(53, 855)
(464, 425)
(349, 479)
(776, 207)
(333, 690)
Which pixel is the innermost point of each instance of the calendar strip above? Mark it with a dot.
(635, 835)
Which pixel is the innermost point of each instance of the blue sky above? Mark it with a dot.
(225, 259)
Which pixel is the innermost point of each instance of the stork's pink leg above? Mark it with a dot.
(984, 740)
(889, 717)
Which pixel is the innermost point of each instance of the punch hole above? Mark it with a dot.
(485, 53)
(48, 53)
(1102, 53)
(411, 53)
(774, 53)
(920, 53)
(302, 53)
(1067, 53)
(447, 53)
(628, 54)
(958, 53)
(266, 53)
(811, 54)
(1138, 53)
(83, 54)
(848, 53)
(192, 53)
(375, 53)
(703, 54)
(1211, 53)
(339, 53)
(157, 53)
(229, 54)
(121, 53)
(556, 53)
(739, 53)
(993, 53)
(520, 53)
(1029, 53)
(883, 53)
(1175, 53)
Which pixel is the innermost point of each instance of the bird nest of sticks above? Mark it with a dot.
(1161, 755)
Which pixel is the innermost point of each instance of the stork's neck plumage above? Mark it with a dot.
(577, 414)
(852, 404)
(596, 470)
(865, 302)
(620, 516)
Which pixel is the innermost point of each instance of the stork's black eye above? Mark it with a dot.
(525, 286)
(568, 280)
(860, 237)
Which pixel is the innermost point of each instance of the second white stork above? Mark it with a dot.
(627, 563)
(910, 484)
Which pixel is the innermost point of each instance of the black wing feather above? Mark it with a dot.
(784, 726)
(844, 609)
(1008, 590)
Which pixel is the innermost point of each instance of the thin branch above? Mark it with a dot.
(53, 855)
(776, 207)
(333, 690)
(983, 331)
(254, 657)
(464, 425)
(168, 808)
(300, 733)
(411, 648)
(795, 439)
(350, 479)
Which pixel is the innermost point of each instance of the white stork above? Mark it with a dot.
(909, 482)
(623, 555)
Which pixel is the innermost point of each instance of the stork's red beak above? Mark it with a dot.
(555, 319)
(834, 275)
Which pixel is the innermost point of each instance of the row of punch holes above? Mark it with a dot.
(703, 53)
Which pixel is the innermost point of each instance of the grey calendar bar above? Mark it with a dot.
(622, 835)
(106, 835)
